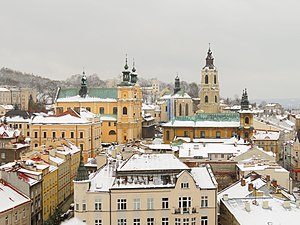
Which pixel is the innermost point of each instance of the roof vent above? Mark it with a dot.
(287, 204)
(225, 197)
(247, 206)
(265, 205)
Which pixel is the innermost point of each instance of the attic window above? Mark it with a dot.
(184, 185)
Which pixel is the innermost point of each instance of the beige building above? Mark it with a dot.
(17, 96)
(177, 104)
(146, 190)
(210, 91)
(5, 108)
(15, 206)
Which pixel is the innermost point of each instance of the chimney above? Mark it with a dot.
(268, 178)
(250, 187)
(287, 204)
(265, 204)
(274, 183)
(225, 197)
(247, 206)
(243, 182)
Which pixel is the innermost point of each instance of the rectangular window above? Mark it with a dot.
(53, 134)
(136, 204)
(166, 108)
(101, 110)
(121, 204)
(109, 124)
(35, 134)
(218, 134)
(20, 126)
(81, 134)
(115, 124)
(3, 155)
(177, 221)
(45, 134)
(150, 203)
(185, 221)
(193, 221)
(88, 109)
(185, 185)
(77, 207)
(63, 134)
(185, 133)
(136, 221)
(83, 205)
(150, 221)
(165, 221)
(98, 205)
(165, 203)
(185, 203)
(81, 147)
(202, 134)
(72, 134)
(204, 201)
(121, 221)
(98, 222)
(204, 220)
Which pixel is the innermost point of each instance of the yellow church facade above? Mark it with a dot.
(119, 108)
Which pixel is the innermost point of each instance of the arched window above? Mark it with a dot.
(115, 110)
(167, 135)
(101, 110)
(247, 120)
(186, 109)
(215, 79)
(180, 110)
(216, 99)
(206, 99)
(124, 110)
(206, 79)
(112, 132)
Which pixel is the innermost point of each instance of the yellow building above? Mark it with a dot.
(83, 129)
(147, 189)
(119, 108)
(49, 174)
(210, 91)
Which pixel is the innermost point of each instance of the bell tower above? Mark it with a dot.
(209, 91)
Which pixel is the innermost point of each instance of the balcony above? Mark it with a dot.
(185, 210)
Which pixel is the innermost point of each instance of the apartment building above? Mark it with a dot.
(147, 189)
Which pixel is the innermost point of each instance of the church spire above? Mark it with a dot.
(83, 88)
(177, 85)
(209, 59)
(126, 72)
(82, 173)
(133, 75)
(245, 101)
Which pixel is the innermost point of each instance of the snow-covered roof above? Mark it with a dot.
(203, 177)
(177, 123)
(66, 119)
(10, 198)
(17, 119)
(7, 107)
(4, 89)
(57, 160)
(266, 135)
(77, 98)
(152, 162)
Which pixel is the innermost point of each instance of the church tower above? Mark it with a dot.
(209, 92)
(246, 118)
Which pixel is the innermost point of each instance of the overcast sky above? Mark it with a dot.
(255, 43)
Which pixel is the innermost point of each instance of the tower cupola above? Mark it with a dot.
(177, 85)
(245, 101)
(126, 72)
(209, 60)
(83, 88)
(133, 75)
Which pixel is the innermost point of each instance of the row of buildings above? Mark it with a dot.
(44, 178)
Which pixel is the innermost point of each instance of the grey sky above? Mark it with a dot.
(255, 43)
